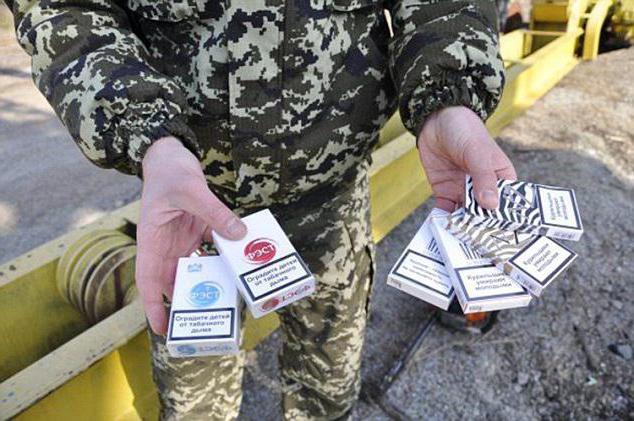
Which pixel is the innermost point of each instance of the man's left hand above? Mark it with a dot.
(454, 142)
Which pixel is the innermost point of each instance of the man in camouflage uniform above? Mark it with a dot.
(281, 103)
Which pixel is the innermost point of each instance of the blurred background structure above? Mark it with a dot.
(567, 118)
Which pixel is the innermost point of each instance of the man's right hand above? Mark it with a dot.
(178, 211)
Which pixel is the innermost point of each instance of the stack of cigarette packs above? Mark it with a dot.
(263, 267)
(492, 259)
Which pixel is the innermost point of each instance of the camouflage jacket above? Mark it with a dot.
(276, 98)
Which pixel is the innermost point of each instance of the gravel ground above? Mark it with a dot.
(568, 355)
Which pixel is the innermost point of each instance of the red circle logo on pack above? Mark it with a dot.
(270, 304)
(260, 250)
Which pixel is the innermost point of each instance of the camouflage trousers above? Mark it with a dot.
(322, 334)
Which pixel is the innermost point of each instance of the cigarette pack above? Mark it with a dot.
(534, 261)
(420, 270)
(530, 208)
(205, 312)
(270, 272)
(479, 284)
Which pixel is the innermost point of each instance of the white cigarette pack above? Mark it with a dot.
(205, 312)
(479, 284)
(534, 261)
(270, 273)
(530, 208)
(539, 263)
(420, 270)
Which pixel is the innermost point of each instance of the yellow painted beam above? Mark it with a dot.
(29, 301)
(117, 387)
(391, 130)
(35, 320)
(594, 24)
(106, 351)
(72, 358)
(576, 13)
(550, 12)
(622, 21)
(530, 79)
(512, 46)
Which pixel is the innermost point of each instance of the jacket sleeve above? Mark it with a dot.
(96, 74)
(445, 53)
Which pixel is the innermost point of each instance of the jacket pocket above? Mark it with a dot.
(165, 10)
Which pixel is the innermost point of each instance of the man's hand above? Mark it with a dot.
(177, 211)
(455, 142)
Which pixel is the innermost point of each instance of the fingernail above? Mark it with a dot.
(489, 198)
(236, 228)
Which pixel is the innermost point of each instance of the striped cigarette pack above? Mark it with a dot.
(479, 284)
(534, 261)
(530, 208)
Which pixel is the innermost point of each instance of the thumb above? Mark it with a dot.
(201, 202)
(479, 162)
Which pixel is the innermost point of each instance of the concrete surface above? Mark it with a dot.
(551, 360)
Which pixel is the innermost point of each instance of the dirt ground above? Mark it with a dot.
(568, 355)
